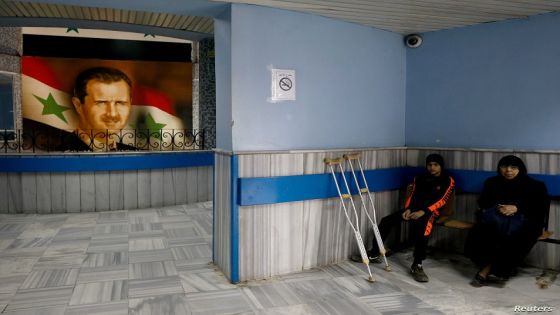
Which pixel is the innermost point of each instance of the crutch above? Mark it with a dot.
(365, 190)
(348, 195)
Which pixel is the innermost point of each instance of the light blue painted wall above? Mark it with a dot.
(350, 82)
(492, 85)
(222, 40)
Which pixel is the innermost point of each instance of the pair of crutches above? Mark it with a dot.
(348, 195)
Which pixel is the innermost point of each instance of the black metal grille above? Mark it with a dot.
(38, 141)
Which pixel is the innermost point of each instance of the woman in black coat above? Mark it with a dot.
(511, 195)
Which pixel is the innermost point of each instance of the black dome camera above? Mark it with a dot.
(413, 40)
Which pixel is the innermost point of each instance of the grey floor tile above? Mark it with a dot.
(179, 278)
(74, 233)
(36, 298)
(195, 265)
(317, 289)
(112, 217)
(68, 247)
(150, 255)
(50, 278)
(271, 295)
(359, 286)
(114, 229)
(145, 227)
(135, 244)
(39, 230)
(188, 241)
(60, 261)
(151, 270)
(144, 218)
(398, 303)
(175, 304)
(348, 305)
(152, 287)
(81, 220)
(191, 252)
(5, 243)
(182, 232)
(108, 243)
(109, 308)
(15, 265)
(231, 302)
(301, 309)
(10, 284)
(24, 252)
(105, 259)
(204, 280)
(29, 242)
(54, 310)
(107, 273)
(99, 292)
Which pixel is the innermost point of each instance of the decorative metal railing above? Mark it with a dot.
(40, 141)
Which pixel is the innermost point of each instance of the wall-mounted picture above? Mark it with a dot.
(98, 94)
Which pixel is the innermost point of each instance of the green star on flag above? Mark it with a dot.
(152, 125)
(50, 106)
(148, 123)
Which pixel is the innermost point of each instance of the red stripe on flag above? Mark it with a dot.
(142, 95)
(39, 69)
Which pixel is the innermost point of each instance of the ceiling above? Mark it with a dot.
(400, 16)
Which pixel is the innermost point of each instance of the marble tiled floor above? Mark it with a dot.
(157, 261)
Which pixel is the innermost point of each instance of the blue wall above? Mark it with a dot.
(350, 82)
(491, 85)
(222, 40)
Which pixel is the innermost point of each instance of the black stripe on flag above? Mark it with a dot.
(101, 48)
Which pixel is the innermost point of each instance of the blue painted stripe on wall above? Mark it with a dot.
(270, 190)
(88, 163)
(266, 190)
(234, 221)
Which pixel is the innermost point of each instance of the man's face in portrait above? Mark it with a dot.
(106, 105)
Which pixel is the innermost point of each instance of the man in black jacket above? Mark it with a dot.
(430, 192)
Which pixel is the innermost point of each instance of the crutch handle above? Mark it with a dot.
(351, 156)
(332, 161)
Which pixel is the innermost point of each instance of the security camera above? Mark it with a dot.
(413, 40)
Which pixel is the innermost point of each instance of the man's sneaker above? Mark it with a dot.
(418, 273)
(478, 281)
(373, 257)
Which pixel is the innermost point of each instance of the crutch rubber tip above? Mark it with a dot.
(370, 279)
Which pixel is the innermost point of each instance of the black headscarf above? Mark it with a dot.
(434, 157)
(512, 160)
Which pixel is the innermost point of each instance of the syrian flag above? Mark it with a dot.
(47, 99)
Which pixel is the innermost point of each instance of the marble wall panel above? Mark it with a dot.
(130, 190)
(43, 193)
(222, 212)
(101, 191)
(288, 237)
(87, 192)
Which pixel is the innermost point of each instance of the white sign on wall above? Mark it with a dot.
(283, 85)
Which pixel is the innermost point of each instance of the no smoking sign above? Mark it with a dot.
(283, 85)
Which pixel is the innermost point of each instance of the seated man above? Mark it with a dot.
(430, 192)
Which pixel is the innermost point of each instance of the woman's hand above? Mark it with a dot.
(406, 214)
(507, 210)
(413, 215)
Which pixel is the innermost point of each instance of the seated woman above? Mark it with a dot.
(510, 220)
